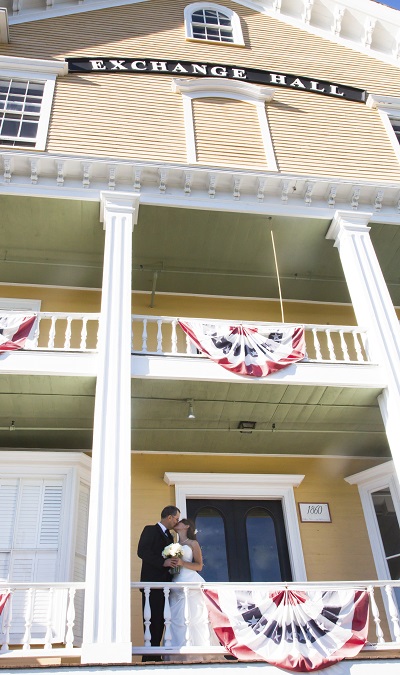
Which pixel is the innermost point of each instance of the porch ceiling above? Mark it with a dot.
(52, 412)
(182, 250)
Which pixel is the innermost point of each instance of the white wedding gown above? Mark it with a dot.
(200, 631)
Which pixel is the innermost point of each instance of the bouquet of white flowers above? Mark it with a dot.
(173, 551)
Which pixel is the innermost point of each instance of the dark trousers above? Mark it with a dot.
(156, 622)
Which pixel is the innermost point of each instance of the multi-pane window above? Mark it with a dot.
(211, 24)
(20, 106)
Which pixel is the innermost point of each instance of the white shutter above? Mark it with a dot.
(49, 531)
(8, 506)
(28, 516)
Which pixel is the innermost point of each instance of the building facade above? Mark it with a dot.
(220, 164)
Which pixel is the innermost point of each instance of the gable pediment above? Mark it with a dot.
(364, 25)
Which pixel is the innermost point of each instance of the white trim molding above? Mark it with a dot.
(209, 87)
(234, 19)
(388, 108)
(247, 486)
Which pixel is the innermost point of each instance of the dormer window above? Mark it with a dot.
(212, 23)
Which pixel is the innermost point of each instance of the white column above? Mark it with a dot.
(374, 310)
(107, 627)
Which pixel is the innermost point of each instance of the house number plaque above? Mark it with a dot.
(314, 512)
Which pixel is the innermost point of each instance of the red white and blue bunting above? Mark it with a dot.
(296, 630)
(15, 330)
(248, 350)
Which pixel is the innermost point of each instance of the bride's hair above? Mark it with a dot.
(191, 532)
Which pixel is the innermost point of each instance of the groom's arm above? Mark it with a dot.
(145, 549)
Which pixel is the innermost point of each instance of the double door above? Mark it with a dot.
(241, 540)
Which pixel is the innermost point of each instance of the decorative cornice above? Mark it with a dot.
(195, 186)
(42, 66)
(209, 86)
(364, 25)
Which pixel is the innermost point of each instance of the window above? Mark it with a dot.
(207, 21)
(20, 104)
(26, 94)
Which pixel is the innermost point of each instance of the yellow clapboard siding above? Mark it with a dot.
(137, 116)
(228, 129)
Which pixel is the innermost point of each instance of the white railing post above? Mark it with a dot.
(49, 627)
(344, 346)
(330, 345)
(26, 640)
(69, 636)
(167, 618)
(357, 347)
(376, 616)
(83, 333)
(147, 616)
(159, 336)
(174, 337)
(144, 336)
(394, 615)
(317, 348)
(52, 333)
(68, 331)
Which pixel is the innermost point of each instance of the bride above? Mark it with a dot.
(200, 631)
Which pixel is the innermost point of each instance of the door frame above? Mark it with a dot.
(246, 486)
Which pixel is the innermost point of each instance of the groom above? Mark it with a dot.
(152, 542)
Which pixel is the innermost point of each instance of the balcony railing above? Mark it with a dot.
(42, 620)
(384, 626)
(162, 335)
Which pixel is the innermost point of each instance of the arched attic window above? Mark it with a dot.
(209, 22)
(226, 122)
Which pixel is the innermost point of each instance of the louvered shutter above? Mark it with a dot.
(8, 507)
(36, 509)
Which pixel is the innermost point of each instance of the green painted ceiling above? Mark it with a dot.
(57, 413)
(61, 242)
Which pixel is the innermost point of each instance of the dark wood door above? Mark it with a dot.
(241, 540)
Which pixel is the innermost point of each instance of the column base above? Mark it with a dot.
(116, 652)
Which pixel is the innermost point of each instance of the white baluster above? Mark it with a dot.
(394, 615)
(49, 628)
(36, 334)
(344, 346)
(69, 636)
(376, 616)
(187, 616)
(98, 333)
(147, 617)
(167, 619)
(188, 344)
(6, 623)
(67, 342)
(318, 354)
(357, 347)
(331, 348)
(159, 336)
(26, 640)
(174, 337)
(83, 333)
(144, 337)
(52, 333)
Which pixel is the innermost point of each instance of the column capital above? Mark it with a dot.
(119, 202)
(350, 221)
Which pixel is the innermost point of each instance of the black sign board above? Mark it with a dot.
(215, 70)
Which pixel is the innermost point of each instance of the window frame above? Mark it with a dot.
(234, 19)
(35, 70)
(212, 87)
(388, 108)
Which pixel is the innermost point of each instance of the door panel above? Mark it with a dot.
(241, 540)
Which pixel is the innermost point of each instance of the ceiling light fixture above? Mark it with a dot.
(246, 427)
(12, 426)
(191, 415)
